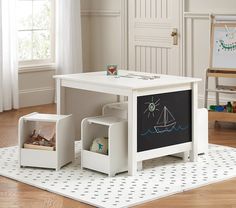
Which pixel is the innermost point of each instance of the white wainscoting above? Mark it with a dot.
(37, 96)
(36, 86)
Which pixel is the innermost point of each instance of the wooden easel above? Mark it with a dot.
(218, 73)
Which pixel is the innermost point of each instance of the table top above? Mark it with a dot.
(128, 79)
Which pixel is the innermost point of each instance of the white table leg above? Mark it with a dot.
(60, 97)
(194, 152)
(132, 133)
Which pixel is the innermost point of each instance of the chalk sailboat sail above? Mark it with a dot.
(166, 121)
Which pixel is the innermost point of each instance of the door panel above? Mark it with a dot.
(151, 48)
(149, 59)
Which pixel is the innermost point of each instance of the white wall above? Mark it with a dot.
(197, 36)
(104, 33)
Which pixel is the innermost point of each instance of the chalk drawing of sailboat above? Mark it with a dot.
(166, 121)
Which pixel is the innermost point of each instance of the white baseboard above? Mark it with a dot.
(38, 96)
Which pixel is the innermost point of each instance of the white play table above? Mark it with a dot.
(133, 87)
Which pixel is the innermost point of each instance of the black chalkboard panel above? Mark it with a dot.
(164, 120)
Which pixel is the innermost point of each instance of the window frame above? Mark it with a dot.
(29, 65)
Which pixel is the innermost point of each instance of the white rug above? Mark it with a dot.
(160, 178)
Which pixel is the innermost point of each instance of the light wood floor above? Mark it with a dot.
(14, 194)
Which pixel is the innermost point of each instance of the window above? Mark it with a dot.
(35, 32)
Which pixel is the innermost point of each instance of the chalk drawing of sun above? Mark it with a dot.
(152, 107)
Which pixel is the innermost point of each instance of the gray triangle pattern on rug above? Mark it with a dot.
(160, 177)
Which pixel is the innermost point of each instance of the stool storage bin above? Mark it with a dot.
(64, 141)
(117, 132)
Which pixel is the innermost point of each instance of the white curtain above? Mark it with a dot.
(68, 37)
(8, 56)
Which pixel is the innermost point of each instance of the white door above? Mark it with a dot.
(155, 39)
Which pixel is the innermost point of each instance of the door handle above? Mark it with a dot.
(174, 35)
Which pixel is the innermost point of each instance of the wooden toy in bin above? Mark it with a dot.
(46, 140)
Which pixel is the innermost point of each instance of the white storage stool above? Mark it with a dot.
(120, 110)
(64, 140)
(116, 129)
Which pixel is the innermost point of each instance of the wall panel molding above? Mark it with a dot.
(190, 19)
(36, 85)
(107, 29)
(103, 13)
(35, 69)
(197, 15)
(37, 96)
(206, 15)
(124, 33)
